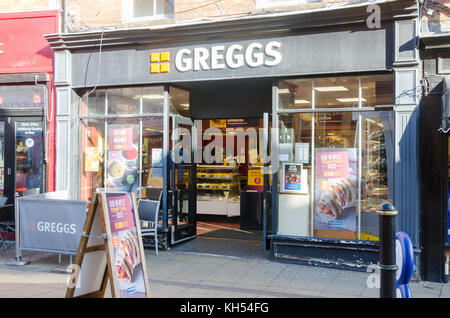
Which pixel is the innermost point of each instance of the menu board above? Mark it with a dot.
(127, 257)
(336, 189)
(111, 251)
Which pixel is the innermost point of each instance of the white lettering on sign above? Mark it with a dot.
(235, 56)
(54, 227)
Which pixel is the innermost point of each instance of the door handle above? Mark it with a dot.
(9, 171)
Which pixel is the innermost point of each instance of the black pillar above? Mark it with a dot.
(387, 262)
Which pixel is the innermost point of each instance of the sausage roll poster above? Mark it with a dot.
(336, 189)
(127, 263)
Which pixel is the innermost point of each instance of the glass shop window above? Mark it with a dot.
(335, 167)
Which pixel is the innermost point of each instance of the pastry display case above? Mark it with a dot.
(218, 189)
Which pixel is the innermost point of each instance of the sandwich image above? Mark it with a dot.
(128, 256)
(340, 194)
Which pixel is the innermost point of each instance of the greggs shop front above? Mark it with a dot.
(288, 130)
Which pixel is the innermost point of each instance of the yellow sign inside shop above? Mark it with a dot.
(91, 159)
(255, 177)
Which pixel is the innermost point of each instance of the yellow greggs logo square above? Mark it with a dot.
(159, 62)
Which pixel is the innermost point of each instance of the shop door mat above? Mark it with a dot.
(223, 247)
(251, 235)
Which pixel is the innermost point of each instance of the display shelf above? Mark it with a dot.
(375, 168)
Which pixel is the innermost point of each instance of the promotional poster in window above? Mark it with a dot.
(123, 154)
(336, 189)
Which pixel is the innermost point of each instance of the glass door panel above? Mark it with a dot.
(29, 157)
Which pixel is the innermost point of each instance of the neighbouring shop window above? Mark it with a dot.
(22, 96)
(335, 167)
(29, 157)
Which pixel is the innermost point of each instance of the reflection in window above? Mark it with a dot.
(152, 99)
(179, 102)
(22, 96)
(123, 100)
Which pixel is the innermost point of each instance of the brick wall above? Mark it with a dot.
(102, 13)
(99, 13)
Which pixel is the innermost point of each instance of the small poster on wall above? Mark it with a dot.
(292, 178)
(336, 189)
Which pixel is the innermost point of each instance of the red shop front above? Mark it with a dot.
(27, 105)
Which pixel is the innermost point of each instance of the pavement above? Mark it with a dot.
(175, 274)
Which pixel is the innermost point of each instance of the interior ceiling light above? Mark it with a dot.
(348, 100)
(302, 101)
(283, 91)
(153, 96)
(184, 105)
(331, 89)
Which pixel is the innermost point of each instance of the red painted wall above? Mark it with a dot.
(23, 49)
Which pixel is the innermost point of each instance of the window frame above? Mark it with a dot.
(128, 9)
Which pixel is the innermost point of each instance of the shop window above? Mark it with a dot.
(136, 10)
(335, 167)
(152, 100)
(336, 92)
(94, 103)
(124, 100)
(377, 91)
(121, 137)
(295, 94)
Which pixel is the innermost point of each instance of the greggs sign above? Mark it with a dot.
(235, 56)
(218, 57)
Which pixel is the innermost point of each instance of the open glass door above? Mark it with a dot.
(182, 176)
(267, 126)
